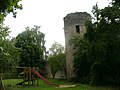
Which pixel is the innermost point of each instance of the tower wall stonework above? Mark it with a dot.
(71, 22)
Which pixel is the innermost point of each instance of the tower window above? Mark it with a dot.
(77, 28)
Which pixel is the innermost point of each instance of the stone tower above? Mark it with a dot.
(73, 26)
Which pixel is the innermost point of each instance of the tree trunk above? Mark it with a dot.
(64, 69)
(54, 75)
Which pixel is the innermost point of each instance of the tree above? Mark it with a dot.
(81, 63)
(57, 58)
(56, 48)
(105, 46)
(31, 44)
(9, 54)
(9, 6)
(57, 63)
(102, 39)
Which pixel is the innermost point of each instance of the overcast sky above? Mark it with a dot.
(49, 15)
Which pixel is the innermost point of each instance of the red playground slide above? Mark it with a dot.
(44, 79)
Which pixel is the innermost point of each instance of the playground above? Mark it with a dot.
(20, 76)
(26, 78)
(12, 77)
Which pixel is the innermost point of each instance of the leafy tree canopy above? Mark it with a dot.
(100, 47)
(57, 58)
(56, 48)
(9, 6)
(9, 54)
(31, 43)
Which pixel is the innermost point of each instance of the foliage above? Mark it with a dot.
(56, 63)
(57, 58)
(31, 44)
(9, 6)
(81, 63)
(9, 54)
(56, 48)
(103, 46)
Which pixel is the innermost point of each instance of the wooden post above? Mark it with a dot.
(29, 76)
(27, 73)
(37, 81)
(1, 83)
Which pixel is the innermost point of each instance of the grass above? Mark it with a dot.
(44, 86)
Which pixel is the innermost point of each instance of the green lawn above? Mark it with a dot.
(44, 86)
